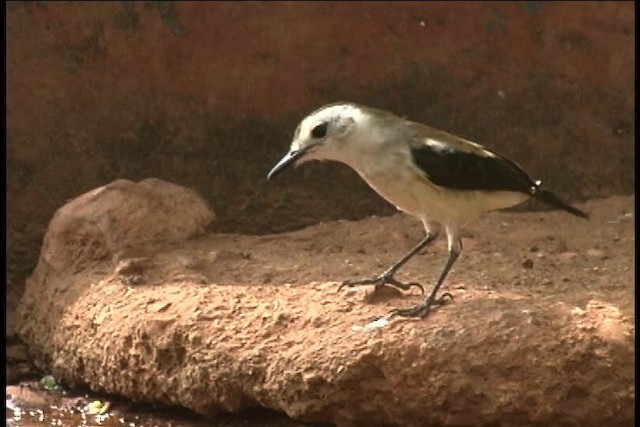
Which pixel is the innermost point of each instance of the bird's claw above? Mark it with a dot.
(379, 281)
(423, 309)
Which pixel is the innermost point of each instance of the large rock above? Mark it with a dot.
(113, 226)
(172, 322)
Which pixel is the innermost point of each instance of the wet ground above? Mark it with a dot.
(29, 404)
(34, 399)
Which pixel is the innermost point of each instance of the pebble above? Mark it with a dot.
(527, 263)
(596, 253)
(545, 282)
(567, 256)
(577, 311)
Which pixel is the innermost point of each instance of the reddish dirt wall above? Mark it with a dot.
(207, 95)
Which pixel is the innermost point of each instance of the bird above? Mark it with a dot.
(443, 180)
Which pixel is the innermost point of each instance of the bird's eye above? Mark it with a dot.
(319, 130)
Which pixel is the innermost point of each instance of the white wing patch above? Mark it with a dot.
(437, 145)
(443, 147)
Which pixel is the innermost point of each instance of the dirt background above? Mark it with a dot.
(208, 95)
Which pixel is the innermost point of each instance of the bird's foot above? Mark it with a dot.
(422, 309)
(380, 281)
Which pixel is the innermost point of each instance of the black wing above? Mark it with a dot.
(470, 170)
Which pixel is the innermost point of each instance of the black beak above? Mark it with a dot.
(289, 158)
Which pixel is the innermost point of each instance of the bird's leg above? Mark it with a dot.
(422, 309)
(386, 277)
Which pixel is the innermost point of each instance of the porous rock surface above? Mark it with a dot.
(127, 299)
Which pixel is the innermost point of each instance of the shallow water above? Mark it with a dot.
(29, 404)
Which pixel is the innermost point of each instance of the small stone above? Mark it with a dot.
(567, 256)
(596, 253)
(190, 262)
(528, 263)
(160, 306)
(577, 311)
(132, 266)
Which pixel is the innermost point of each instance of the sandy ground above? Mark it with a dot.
(546, 254)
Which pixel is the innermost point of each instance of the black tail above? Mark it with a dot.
(553, 200)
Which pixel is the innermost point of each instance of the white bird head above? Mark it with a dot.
(326, 134)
